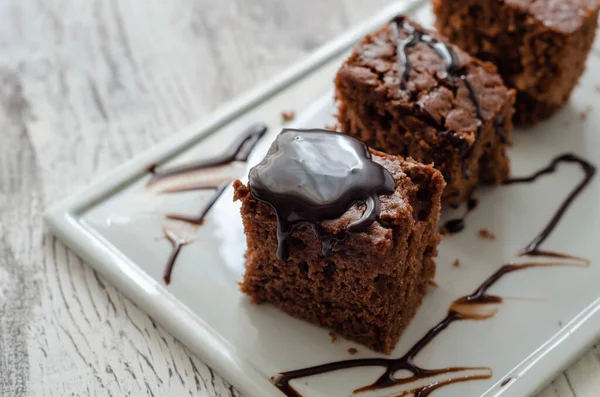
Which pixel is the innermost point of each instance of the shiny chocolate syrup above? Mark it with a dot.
(176, 244)
(454, 72)
(533, 248)
(238, 151)
(458, 224)
(309, 176)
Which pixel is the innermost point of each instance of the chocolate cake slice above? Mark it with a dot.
(340, 235)
(406, 90)
(540, 47)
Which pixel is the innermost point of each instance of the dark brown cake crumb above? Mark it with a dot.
(352, 351)
(333, 336)
(456, 263)
(287, 116)
(484, 233)
(433, 284)
(598, 88)
(583, 115)
(560, 323)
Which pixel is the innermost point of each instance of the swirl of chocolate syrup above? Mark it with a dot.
(533, 248)
(460, 309)
(457, 225)
(239, 150)
(177, 244)
(454, 71)
(309, 176)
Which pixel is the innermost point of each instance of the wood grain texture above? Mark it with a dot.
(84, 86)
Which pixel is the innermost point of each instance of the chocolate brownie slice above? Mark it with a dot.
(540, 47)
(406, 91)
(359, 266)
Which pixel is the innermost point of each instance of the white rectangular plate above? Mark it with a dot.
(548, 317)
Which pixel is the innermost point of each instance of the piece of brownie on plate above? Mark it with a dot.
(340, 235)
(540, 47)
(405, 90)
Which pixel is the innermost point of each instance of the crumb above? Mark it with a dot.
(433, 284)
(583, 115)
(508, 380)
(598, 88)
(331, 127)
(443, 231)
(352, 351)
(456, 263)
(560, 323)
(484, 233)
(333, 336)
(288, 115)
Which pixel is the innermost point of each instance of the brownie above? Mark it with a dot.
(406, 91)
(365, 284)
(540, 47)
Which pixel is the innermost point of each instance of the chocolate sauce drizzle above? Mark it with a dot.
(454, 70)
(465, 308)
(533, 248)
(457, 225)
(176, 245)
(239, 151)
(309, 176)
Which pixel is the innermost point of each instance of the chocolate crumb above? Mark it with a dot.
(583, 115)
(332, 127)
(288, 115)
(352, 351)
(333, 336)
(433, 284)
(456, 263)
(484, 233)
(560, 324)
(443, 231)
(598, 88)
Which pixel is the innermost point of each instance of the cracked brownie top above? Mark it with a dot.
(414, 74)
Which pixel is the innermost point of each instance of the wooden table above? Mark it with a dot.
(84, 86)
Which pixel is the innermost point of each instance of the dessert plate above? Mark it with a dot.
(548, 315)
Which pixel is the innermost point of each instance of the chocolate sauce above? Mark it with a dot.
(176, 244)
(238, 151)
(199, 219)
(309, 176)
(465, 308)
(499, 125)
(415, 36)
(533, 248)
(457, 225)
(454, 72)
(479, 114)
